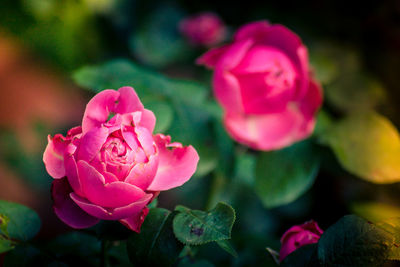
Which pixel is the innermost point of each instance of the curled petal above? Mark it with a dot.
(148, 120)
(114, 194)
(176, 164)
(71, 172)
(211, 57)
(135, 222)
(66, 209)
(234, 54)
(91, 143)
(119, 213)
(98, 110)
(53, 156)
(227, 90)
(142, 174)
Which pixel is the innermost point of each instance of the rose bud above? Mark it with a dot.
(204, 29)
(112, 166)
(262, 80)
(298, 236)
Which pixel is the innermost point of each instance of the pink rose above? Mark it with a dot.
(298, 236)
(262, 80)
(205, 29)
(113, 166)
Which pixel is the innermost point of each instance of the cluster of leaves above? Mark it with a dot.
(166, 238)
(352, 241)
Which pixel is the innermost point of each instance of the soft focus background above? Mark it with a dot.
(354, 49)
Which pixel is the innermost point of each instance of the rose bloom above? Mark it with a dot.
(262, 80)
(205, 29)
(298, 236)
(112, 166)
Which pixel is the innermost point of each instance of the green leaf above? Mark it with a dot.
(196, 227)
(18, 222)
(353, 91)
(305, 256)
(392, 226)
(227, 246)
(352, 241)
(375, 211)
(120, 72)
(156, 244)
(284, 175)
(367, 145)
(163, 112)
(5, 244)
(158, 41)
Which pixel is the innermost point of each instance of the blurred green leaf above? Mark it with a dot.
(355, 92)
(5, 244)
(367, 145)
(22, 222)
(196, 227)
(158, 41)
(156, 244)
(163, 112)
(284, 175)
(305, 256)
(375, 211)
(352, 241)
(392, 226)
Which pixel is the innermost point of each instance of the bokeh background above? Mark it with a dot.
(354, 48)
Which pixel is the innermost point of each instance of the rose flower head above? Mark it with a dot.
(203, 29)
(113, 165)
(262, 80)
(298, 236)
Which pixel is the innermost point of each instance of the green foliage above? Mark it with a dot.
(375, 211)
(158, 41)
(367, 145)
(156, 244)
(352, 241)
(305, 256)
(196, 227)
(17, 224)
(284, 175)
(392, 226)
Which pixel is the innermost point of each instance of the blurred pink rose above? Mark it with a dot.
(298, 236)
(262, 80)
(205, 29)
(113, 166)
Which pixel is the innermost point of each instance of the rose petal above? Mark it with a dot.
(111, 213)
(266, 132)
(234, 54)
(227, 91)
(53, 156)
(135, 222)
(142, 174)
(71, 172)
(98, 109)
(128, 101)
(176, 164)
(145, 139)
(212, 56)
(92, 142)
(115, 194)
(125, 100)
(148, 120)
(66, 209)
